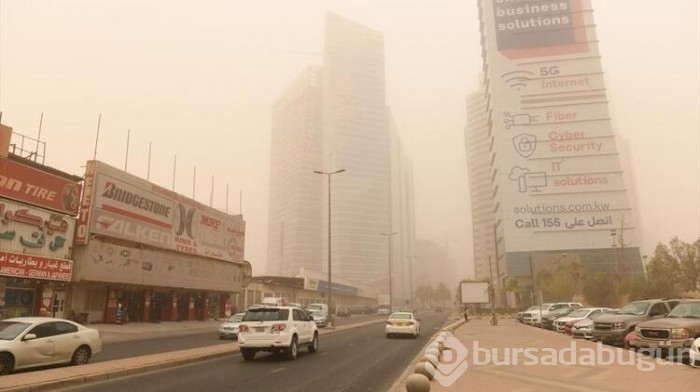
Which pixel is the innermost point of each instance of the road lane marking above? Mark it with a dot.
(326, 353)
(278, 370)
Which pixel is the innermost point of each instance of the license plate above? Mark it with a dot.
(259, 329)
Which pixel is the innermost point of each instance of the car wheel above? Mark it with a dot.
(293, 349)
(7, 363)
(248, 354)
(313, 347)
(81, 356)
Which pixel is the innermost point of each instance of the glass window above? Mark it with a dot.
(43, 330)
(61, 328)
(266, 314)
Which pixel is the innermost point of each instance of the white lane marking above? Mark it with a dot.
(326, 353)
(278, 370)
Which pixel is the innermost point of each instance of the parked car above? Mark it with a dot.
(548, 319)
(584, 328)
(320, 317)
(613, 327)
(343, 312)
(534, 317)
(676, 331)
(694, 353)
(520, 315)
(402, 323)
(278, 330)
(27, 342)
(229, 328)
(322, 307)
(576, 315)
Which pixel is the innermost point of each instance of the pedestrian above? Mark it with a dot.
(466, 315)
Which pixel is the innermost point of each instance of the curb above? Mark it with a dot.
(72, 376)
(396, 387)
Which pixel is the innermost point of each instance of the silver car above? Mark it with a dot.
(229, 328)
(27, 342)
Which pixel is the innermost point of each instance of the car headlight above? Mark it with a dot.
(619, 325)
(638, 330)
(679, 333)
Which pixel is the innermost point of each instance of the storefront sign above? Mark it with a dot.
(25, 229)
(35, 267)
(35, 187)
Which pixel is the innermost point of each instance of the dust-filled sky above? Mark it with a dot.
(197, 80)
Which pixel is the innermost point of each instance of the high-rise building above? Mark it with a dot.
(295, 217)
(341, 121)
(558, 187)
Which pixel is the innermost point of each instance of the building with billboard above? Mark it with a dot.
(38, 209)
(149, 254)
(557, 184)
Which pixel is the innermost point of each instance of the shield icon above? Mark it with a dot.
(525, 144)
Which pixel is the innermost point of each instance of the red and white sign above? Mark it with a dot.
(127, 207)
(35, 267)
(83, 231)
(36, 231)
(35, 187)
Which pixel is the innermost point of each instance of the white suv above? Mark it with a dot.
(277, 329)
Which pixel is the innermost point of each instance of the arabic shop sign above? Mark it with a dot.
(35, 267)
(38, 188)
(29, 230)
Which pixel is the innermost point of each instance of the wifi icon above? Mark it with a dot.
(516, 79)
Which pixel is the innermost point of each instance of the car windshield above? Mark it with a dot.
(686, 310)
(266, 314)
(11, 329)
(236, 318)
(637, 308)
(318, 313)
(579, 313)
(402, 316)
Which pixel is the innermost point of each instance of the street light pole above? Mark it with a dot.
(391, 275)
(331, 320)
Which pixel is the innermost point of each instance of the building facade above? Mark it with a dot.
(558, 187)
(294, 238)
(38, 209)
(145, 253)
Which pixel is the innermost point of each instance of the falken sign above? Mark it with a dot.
(120, 205)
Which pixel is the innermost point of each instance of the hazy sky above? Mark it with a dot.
(198, 80)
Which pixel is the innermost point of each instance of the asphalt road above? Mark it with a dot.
(130, 349)
(360, 359)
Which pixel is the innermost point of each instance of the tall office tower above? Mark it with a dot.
(478, 143)
(295, 218)
(558, 186)
(356, 138)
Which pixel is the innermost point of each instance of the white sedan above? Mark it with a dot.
(402, 323)
(27, 342)
(694, 353)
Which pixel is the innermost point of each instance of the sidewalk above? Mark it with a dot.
(70, 376)
(508, 370)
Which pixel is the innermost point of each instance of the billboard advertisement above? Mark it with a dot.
(557, 167)
(33, 186)
(129, 208)
(35, 231)
(475, 292)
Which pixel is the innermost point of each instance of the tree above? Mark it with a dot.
(442, 293)
(513, 286)
(562, 282)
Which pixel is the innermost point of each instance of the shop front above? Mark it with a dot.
(151, 285)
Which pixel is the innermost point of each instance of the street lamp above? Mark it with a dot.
(391, 291)
(331, 320)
